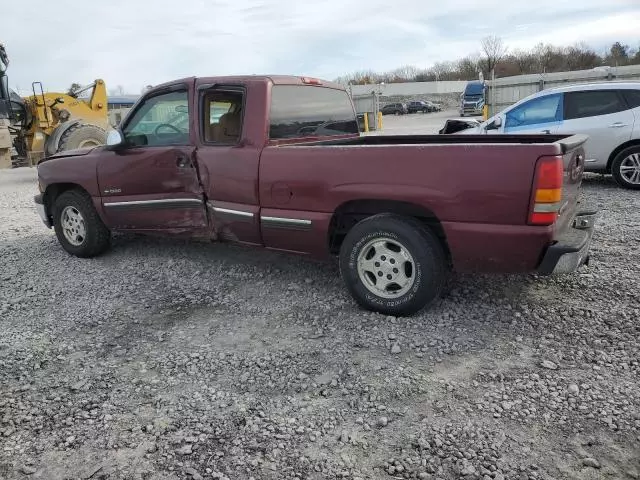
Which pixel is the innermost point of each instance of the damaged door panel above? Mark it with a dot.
(152, 188)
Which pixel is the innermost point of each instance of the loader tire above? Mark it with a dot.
(82, 136)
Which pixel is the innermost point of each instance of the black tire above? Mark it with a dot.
(429, 263)
(82, 135)
(97, 237)
(617, 164)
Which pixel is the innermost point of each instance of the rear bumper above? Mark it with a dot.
(42, 210)
(571, 251)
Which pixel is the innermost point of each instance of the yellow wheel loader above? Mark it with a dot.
(46, 123)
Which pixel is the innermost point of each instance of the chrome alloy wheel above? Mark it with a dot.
(73, 226)
(386, 268)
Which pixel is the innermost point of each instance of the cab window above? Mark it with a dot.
(538, 110)
(222, 118)
(160, 120)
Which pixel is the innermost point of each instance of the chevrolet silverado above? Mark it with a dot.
(286, 168)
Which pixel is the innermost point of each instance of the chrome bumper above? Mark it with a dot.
(41, 210)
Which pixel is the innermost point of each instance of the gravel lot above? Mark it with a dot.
(171, 360)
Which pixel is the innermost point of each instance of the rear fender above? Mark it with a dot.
(51, 145)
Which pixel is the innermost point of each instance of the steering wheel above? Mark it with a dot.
(176, 129)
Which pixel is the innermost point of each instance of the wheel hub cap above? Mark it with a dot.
(386, 268)
(630, 169)
(73, 226)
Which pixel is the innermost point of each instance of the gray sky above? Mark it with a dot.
(61, 41)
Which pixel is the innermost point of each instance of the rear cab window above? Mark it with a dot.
(299, 111)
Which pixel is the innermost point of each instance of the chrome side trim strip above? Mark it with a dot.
(229, 211)
(286, 223)
(164, 201)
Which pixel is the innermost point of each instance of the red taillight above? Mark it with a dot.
(311, 81)
(547, 191)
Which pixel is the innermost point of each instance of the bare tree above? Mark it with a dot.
(467, 68)
(442, 70)
(542, 58)
(494, 50)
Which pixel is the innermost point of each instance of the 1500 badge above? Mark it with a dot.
(113, 190)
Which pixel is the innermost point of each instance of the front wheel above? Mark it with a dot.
(626, 168)
(392, 264)
(78, 227)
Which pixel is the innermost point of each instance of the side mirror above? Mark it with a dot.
(495, 125)
(114, 138)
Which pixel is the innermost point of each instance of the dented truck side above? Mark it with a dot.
(278, 162)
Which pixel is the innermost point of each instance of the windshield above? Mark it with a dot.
(473, 89)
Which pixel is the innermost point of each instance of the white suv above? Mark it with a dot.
(609, 113)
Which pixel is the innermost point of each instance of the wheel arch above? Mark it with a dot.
(631, 143)
(54, 190)
(349, 213)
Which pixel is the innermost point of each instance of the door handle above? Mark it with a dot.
(548, 132)
(618, 125)
(183, 162)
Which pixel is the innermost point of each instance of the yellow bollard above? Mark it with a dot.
(366, 121)
(379, 120)
(485, 112)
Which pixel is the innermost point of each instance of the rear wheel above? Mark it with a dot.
(626, 168)
(392, 264)
(78, 227)
(82, 136)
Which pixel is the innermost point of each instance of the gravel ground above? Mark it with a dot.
(171, 360)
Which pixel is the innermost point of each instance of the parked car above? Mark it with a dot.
(434, 107)
(397, 212)
(394, 109)
(419, 106)
(608, 113)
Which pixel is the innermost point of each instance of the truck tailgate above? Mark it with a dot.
(573, 228)
(573, 157)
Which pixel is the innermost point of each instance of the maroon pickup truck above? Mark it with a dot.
(278, 162)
